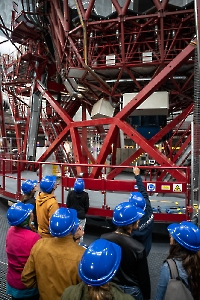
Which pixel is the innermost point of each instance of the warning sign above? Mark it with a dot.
(165, 187)
(177, 187)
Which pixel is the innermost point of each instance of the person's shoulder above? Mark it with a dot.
(107, 235)
(72, 290)
(80, 249)
(52, 199)
(136, 246)
(32, 233)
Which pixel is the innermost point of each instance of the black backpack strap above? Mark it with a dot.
(173, 268)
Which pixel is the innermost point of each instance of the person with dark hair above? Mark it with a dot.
(141, 199)
(78, 199)
(53, 263)
(46, 204)
(29, 188)
(19, 242)
(185, 252)
(133, 273)
(97, 267)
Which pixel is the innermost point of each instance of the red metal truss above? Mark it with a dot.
(3, 129)
(104, 56)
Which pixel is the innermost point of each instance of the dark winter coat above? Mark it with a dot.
(144, 232)
(133, 270)
(79, 202)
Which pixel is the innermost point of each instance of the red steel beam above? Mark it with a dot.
(2, 120)
(153, 140)
(157, 4)
(154, 152)
(157, 81)
(89, 9)
(105, 149)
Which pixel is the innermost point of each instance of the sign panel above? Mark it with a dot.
(151, 187)
(177, 187)
(165, 187)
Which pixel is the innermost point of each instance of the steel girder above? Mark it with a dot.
(117, 122)
(80, 51)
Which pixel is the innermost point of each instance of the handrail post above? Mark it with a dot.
(18, 194)
(62, 186)
(3, 174)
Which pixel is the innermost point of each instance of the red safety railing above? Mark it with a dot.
(104, 185)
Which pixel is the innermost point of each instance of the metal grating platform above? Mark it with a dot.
(155, 261)
(3, 270)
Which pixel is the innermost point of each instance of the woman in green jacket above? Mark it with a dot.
(97, 267)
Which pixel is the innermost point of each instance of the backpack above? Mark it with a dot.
(177, 287)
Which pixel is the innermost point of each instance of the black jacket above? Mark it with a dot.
(144, 232)
(79, 202)
(133, 269)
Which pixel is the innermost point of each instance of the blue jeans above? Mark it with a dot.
(133, 291)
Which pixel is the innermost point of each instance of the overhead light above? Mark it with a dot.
(28, 84)
(81, 88)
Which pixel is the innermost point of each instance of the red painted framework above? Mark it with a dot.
(171, 55)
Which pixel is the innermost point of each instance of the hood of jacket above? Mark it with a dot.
(78, 195)
(43, 197)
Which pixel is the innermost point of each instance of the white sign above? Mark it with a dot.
(177, 187)
(151, 187)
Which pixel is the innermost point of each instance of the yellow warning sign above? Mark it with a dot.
(165, 187)
(177, 187)
(55, 170)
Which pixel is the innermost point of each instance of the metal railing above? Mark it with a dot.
(105, 186)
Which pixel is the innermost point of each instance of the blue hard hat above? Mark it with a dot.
(75, 227)
(79, 185)
(28, 186)
(186, 234)
(62, 221)
(137, 199)
(47, 183)
(126, 213)
(19, 212)
(99, 262)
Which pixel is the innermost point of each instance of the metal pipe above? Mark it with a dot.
(142, 79)
(197, 11)
(192, 163)
(84, 32)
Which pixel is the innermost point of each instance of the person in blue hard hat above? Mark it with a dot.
(53, 263)
(96, 269)
(141, 199)
(133, 273)
(78, 199)
(46, 204)
(29, 188)
(19, 241)
(185, 251)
